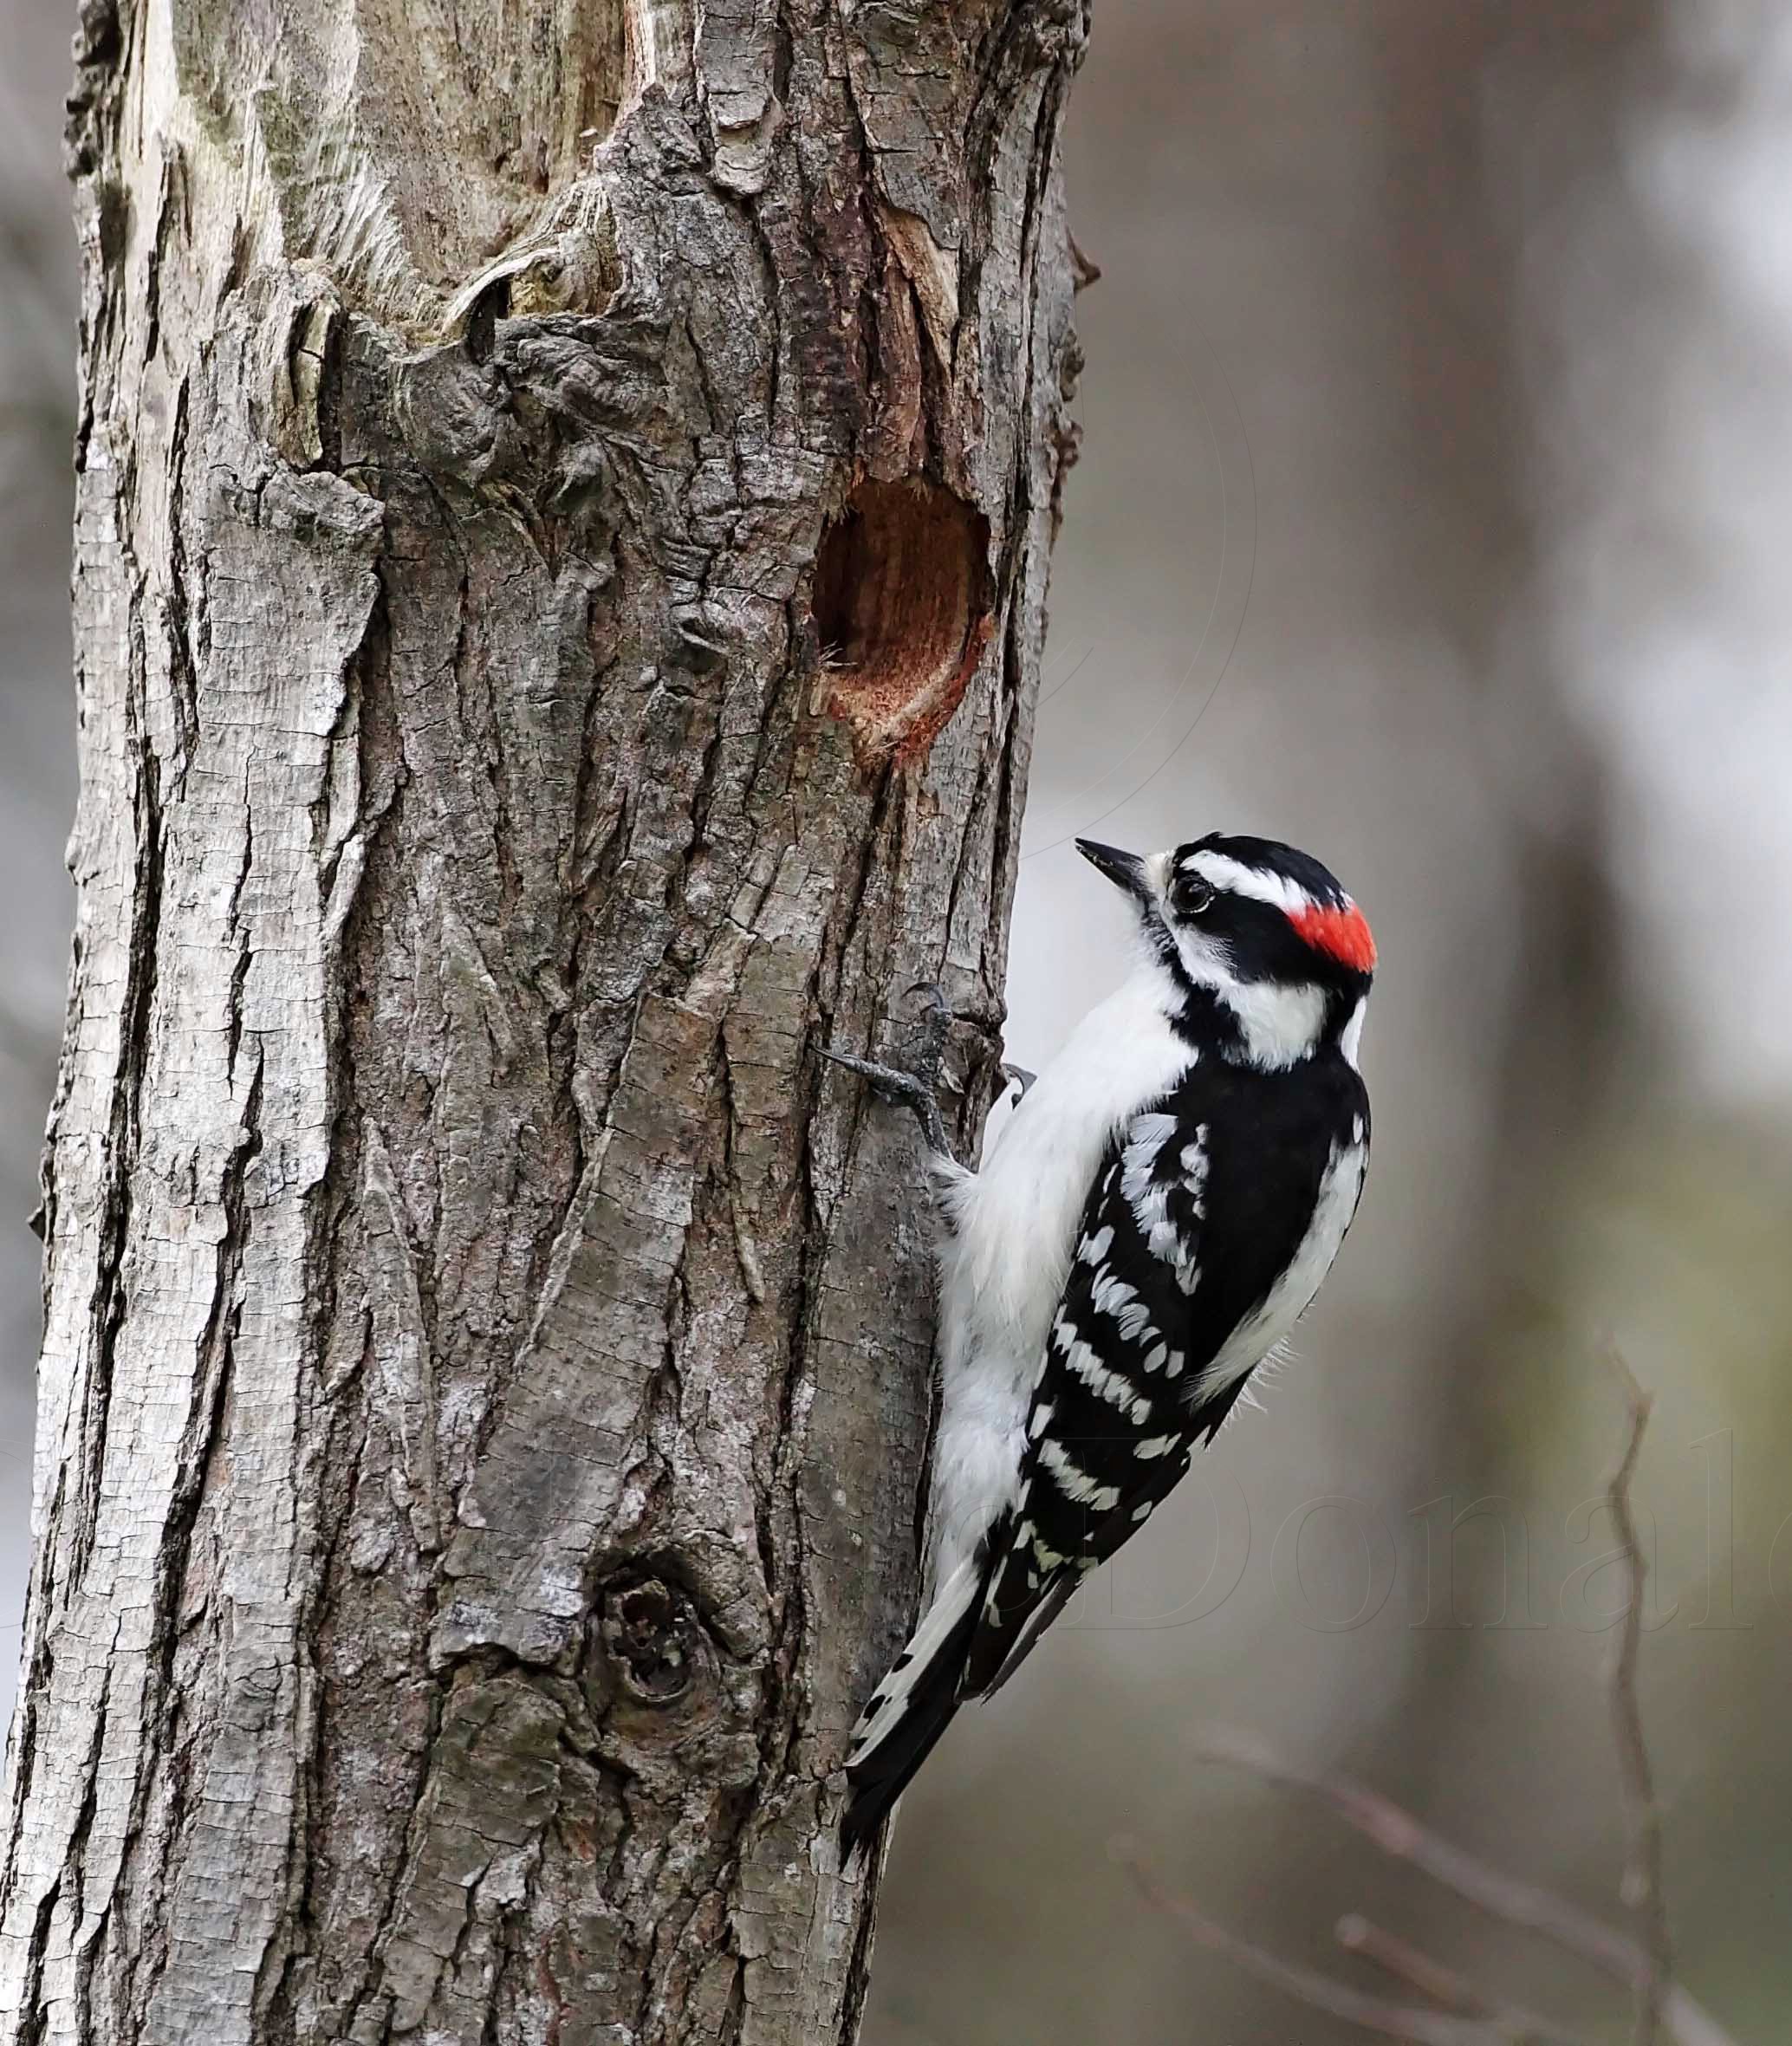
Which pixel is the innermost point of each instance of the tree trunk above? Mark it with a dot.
(565, 493)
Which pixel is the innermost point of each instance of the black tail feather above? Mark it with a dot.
(875, 1784)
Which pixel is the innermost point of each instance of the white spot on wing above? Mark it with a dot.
(1075, 1483)
(1105, 1384)
(1134, 1322)
(1144, 1193)
(1149, 1197)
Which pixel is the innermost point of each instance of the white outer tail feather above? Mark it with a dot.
(884, 1714)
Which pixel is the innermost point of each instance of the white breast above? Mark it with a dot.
(1290, 1298)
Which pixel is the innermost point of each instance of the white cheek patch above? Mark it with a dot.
(1280, 1024)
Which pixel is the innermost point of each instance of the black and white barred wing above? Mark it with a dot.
(1116, 1408)
(1116, 1411)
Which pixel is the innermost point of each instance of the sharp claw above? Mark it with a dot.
(911, 1090)
(936, 1029)
(1021, 1077)
(916, 1086)
(847, 1059)
(891, 1081)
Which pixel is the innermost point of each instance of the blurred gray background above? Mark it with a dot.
(1434, 513)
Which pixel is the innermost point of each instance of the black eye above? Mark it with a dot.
(1189, 895)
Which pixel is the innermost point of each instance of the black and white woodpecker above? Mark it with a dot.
(1159, 1209)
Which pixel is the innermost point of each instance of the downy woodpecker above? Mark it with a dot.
(1161, 1207)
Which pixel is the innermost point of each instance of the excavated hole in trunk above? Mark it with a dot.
(900, 602)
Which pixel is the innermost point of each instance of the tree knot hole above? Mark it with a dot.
(900, 601)
(649, 1636)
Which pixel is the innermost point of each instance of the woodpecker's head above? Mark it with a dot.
(1259, 933)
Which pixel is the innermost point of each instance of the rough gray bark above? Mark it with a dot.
(564, 500)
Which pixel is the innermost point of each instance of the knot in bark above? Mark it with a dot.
(652, 1639)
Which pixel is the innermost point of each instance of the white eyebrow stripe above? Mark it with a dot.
(1236, 879)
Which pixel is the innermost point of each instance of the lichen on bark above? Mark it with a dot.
(486, 1375)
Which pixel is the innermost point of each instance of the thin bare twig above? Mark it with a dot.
(1393, 1956)
(1306, 1985)
(1646, 1966)
(1404, 1962)
(1642, 1888)
(1399, 1833)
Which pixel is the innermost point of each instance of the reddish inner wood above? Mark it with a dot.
(900, 611)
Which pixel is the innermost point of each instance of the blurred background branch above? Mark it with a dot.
(1443, 1985)
(1642, 1888)
(1335, 1999)
(1464, 2014)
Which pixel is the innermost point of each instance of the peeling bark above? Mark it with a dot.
(486, 1378)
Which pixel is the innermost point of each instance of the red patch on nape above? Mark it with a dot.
(1343, 933)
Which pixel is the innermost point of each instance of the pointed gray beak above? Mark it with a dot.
(1125, 870)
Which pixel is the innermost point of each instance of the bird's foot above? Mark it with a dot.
(1020, 1077)
(915, 1086)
